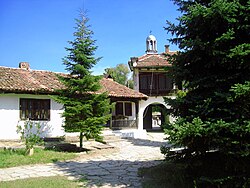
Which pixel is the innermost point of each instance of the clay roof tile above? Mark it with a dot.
(153, 60)
(46, 82)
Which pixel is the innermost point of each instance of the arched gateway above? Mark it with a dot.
(152, 113)
(154, 117)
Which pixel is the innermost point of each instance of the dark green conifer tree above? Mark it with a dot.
(85, 109)
(214, 65)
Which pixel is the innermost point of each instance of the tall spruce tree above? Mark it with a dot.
(213, 65)
(85, 110)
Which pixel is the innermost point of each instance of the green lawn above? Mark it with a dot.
(167, 174)
(42, 182)
(10, 158)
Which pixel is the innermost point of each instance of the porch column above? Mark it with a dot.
(140, 117)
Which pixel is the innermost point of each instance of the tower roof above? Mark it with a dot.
(153, 60)
(151, 38)
(151, 44)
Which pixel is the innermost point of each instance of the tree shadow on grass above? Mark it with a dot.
(65, 147)
(101, 172)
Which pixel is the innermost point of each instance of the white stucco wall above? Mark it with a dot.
(10, 116)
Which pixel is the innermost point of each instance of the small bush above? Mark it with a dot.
(30, 134)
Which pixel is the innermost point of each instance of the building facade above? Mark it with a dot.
(27, 95)
(150, 75)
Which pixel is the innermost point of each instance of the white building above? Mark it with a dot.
(27, 95)
(151, 78)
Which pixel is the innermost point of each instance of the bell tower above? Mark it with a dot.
(151, 44)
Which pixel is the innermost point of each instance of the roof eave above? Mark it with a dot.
(130, 97)
(36, 92)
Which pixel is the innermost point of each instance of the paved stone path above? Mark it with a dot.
(117, 169)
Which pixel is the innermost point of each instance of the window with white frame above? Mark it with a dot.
(34, 109)
(123, 108)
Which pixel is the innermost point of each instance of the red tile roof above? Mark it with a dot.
(115, 89)
(153, 60)
(30, 81)
(18, 80)
(150, 61)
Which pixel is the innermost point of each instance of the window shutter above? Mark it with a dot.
(119, 108)
(128, 109)
(35, 109)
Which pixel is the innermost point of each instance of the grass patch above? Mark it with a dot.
(167, 174)
(43, 182)
(17, 157)
(211, 171)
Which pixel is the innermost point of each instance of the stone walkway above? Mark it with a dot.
(118, 169)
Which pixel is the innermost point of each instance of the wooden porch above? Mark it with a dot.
(123, 124)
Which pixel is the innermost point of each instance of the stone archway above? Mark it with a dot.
(144, 104)
(154, 116)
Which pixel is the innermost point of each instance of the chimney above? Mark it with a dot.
(108, 76)
(134, 59)
(167, 49)
(24, 65)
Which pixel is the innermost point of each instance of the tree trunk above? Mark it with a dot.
(30, 151)
(81, 138)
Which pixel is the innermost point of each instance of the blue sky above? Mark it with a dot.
(37, 31)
